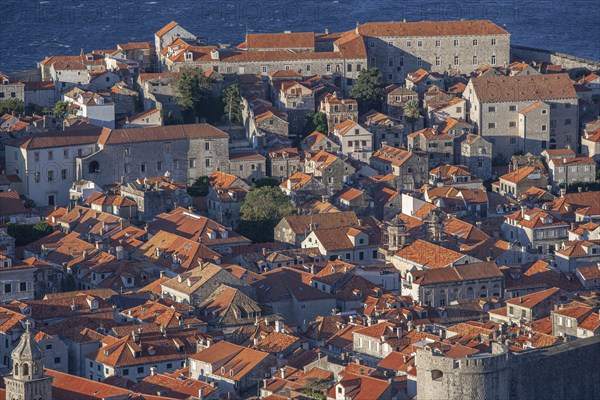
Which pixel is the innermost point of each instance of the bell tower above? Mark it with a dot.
(27, 381)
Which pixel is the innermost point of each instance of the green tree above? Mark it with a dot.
(9, 106)
(192, 88)
(26, 233)
(233, 104)
(262, 210)
(266, 181)
(367, 89)
(314, 122)
(412, 113)
(61, 108)
(199, 188)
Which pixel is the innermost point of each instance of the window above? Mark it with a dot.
(207, 146)
(349, 68)
(512, 108)
(494, 59)
(207, 162)
(512, 124)
(491, 109)
(143, 167)
(437, 43)
(372, 43)
(391, 61)
(63, 174)
(401, 61)
(50, 155)
(7, 288)
(126, 168)
(36, 156)
(50, 176)
(192, 163)
(126, 372)
(264, 69)
(474, 60)
(544, 128)
(328, 68)
(493, 42)
(419, 62)
(408, 43)
(56, 360)
(456, 60)
(140, 370)
(23, 287)
(307, 67)
(474, 42)
(127, 151)
(456, 42)
(438, 60)
(567, 121)
(419, 43)
(159, 165)
(491, 125)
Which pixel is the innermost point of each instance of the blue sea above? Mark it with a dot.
(31, 30)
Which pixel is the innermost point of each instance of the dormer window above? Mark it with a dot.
(188, 56)
(89, 57)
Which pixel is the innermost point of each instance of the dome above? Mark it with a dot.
(27, 349)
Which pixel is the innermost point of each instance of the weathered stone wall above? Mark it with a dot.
(565, 60)
(563, 372)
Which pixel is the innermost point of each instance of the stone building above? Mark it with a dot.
(319, 141)
(590, 143)
(519, 181)
(248, 165)
(283, 163)
(409, 166)
(476, 154)
(46, 163)
(10, 89)
(536, 230)
(338, 110)
(226, 194)
(155, 195)
(400, 47)
(526, 113)
(333, 171)
(303, 188)
(505, 375)
(567, 171)
(166, 35)
(354, 139)
(296, 100)
(440, 287)
(295, 228)
(395, 97)
(27, 381)
(158, 92)
(185, 151)
(343, 59)
(386, 130)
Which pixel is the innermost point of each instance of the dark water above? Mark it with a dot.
(31, 30)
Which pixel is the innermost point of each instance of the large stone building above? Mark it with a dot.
(46, 163)
(397, 48)
(527, 113)
(185, 151)
(505, 375)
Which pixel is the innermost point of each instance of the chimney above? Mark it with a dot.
(282, 373)
(278, 326)
(399, 332)
(523, 210)
(255, 340)
(152, 371)
(120, 252)
(98, 245)
(214, 55)
(327, 31)
(201, 394)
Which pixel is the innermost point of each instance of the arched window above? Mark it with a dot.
(94, 167)
(25, 369)
(470, 293)
(437, 375)
(16, 369)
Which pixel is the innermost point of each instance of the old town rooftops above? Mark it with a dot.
(500, 89)
(465, 272)
(159, 133)
(430, 28)
(428, 254)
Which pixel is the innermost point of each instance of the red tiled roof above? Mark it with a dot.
(431, 28)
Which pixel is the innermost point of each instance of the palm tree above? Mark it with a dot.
(412, 113)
